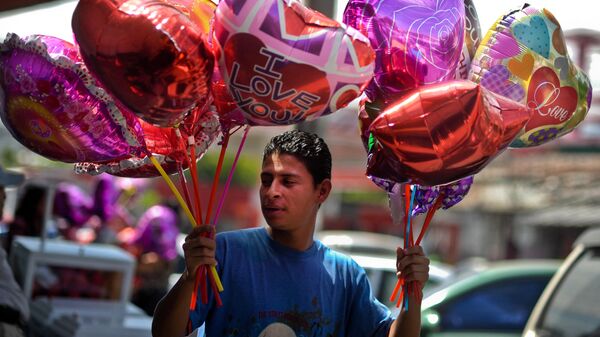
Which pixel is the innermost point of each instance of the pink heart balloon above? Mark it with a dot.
(285, 63)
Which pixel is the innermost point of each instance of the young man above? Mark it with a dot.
(14, 309)
(278, 281)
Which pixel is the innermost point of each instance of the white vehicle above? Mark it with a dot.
(376, 253)
(569, 306)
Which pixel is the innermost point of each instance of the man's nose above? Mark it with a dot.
(274, 190)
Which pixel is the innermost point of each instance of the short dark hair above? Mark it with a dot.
(307, 147)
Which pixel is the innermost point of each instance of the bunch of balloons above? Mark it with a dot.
(445, 101)
(149, 85)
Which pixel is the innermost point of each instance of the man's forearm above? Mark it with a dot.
(408, 323)
(171, 314)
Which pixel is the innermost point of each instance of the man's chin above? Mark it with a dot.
(276, 224)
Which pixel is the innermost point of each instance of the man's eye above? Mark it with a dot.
(288, 182)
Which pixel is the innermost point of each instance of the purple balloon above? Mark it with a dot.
(52, 105)
(415, 42)
(424, 199)
(157, 232)
(105, 197)
(455, 192)
(72, 204)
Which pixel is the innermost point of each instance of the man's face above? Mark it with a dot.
(289, 199)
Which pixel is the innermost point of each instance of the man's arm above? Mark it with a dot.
(413, 265)
(172, 312)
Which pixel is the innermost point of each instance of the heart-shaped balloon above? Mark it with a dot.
(285, 63)
(53, 106)
(165, 145)
(150, 54)
(415, 43)
(444, 132)
(524, 57)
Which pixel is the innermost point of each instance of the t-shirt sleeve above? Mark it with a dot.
(368, 316)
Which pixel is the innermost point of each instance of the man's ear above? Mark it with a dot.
(324, 188)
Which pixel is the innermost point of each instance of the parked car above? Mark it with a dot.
(490, 301)
(570, 305)
(376, 253)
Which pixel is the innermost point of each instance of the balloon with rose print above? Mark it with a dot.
(524, 57)
(415, 43)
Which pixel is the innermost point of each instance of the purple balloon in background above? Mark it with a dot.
(52, 105)
(72, 204)
(455, 192)
(415, 42)
(105, 197)
(157, 232)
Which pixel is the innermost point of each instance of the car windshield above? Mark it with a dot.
(574, 309)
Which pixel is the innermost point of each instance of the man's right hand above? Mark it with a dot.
(199, 249)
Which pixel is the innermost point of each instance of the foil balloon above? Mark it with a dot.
(230, 115)
(284, 63)
(151, 55)
(53, 106)
(472, 38)
(440, 133)
(524, 57)
(385, 176)
(165, 145)
(451, 194)
(105, 197)
(455, 192)
(202, 14)
(72, 204)
(415, 43)
(157, 232)
(425, 197)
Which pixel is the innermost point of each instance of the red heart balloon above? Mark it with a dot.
(551, 103)
(150, 54)
(272, 98)
(440, 133)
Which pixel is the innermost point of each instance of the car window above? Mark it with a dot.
(574, 308)
(504, 305)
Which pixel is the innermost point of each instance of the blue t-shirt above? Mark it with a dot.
(272, 290)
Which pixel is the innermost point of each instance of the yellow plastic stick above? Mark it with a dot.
(185, 209)
(217, 279)
(174, 190)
